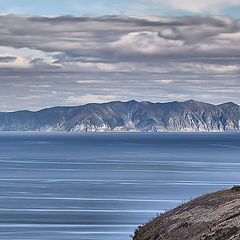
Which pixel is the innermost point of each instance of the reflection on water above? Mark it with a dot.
(101, 186)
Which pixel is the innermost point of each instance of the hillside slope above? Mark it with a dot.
(213, 216)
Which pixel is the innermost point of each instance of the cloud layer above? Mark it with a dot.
(74, 60)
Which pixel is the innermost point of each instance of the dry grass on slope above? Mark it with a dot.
(214, 216)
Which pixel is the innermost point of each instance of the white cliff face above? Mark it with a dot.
(90, 128)
(48, 128)
(189, 116)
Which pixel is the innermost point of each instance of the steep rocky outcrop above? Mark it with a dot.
(213, 216)
(127, 116)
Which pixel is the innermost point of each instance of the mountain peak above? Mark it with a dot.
(132, 101)
(192, 101)
(228, 104)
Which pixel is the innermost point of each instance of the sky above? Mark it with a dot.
(59, 52)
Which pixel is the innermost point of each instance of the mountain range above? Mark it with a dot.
(127, 117)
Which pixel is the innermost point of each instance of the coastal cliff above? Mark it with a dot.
(214, 216)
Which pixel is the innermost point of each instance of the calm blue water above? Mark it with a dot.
(101, 186)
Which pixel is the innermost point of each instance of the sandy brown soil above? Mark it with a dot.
(214, 216)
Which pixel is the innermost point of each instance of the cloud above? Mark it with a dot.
(108, 39)
(15, 62)
(89, 98)
(7, 59)
(96, 59)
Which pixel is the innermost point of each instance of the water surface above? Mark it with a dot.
(101, 186)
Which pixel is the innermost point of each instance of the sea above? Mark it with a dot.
(101, 186)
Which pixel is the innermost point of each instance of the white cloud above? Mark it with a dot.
(89, 98)
(164, 81)
(17, 62)
(83, 81)
(207, 68)
(41, 86)
(146, 43)
(98, 67)
(24, 57)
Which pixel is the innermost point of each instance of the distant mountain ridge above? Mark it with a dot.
(127, 117)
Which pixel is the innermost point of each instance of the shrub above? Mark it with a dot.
(236, 188)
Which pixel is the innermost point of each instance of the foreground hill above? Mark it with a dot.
(127, 116)
(213, 216)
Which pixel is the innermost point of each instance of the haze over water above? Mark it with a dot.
(102, 186)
